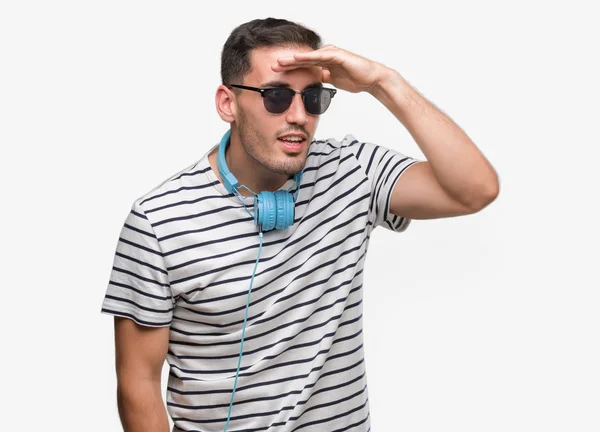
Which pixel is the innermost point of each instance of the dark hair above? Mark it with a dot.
(258, 33)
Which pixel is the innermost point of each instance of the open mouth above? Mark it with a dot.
(292, 144)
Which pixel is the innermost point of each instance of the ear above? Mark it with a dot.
(226, 104)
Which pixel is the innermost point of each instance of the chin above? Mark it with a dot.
(289, 165)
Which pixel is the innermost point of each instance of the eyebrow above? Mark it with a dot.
(283, 84)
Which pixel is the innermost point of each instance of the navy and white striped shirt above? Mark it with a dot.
(185, 257)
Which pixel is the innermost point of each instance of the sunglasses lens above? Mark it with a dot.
(317, 100)
(278, 100)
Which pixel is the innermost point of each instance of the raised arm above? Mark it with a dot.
(456, 178)
(140, 355)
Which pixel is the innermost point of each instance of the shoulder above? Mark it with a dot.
(346, 154)
(333, 143)
(323, 150)
(162, 193)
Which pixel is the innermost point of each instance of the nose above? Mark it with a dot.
(296, 112)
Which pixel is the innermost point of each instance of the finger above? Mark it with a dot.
(297, 65)
(326, 76)
(322, 56)
(303, 63)
(285, 62)
(293, 68)
(317, 51)
(307, 64)
(279, 68)
(327, 47)
(327, 55)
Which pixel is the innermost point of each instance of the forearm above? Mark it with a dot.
(460, 168)
(141, 407)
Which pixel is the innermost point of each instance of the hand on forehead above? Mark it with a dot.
(263, 60)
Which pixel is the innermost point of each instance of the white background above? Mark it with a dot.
(488, 322)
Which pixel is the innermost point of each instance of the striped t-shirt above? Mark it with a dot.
(185, 257)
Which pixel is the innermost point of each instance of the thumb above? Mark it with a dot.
(326, 76)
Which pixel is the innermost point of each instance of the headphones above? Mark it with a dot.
(272, 210)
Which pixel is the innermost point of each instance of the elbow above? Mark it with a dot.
(132, 390)
(485, 194)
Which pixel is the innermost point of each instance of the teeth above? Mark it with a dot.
(298, 139)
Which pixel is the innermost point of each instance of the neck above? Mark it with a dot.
(249, 172)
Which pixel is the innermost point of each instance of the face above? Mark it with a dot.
(262, 134)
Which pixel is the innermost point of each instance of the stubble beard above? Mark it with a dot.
(255, 145)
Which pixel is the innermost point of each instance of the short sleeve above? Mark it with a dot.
(383, 167)
(139, 284)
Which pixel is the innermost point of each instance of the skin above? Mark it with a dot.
(254, 155)
(140, 354)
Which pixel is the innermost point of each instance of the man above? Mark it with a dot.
(255, 302)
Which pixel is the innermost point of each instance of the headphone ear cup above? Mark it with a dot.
(285, 209)
(267, 211)
(274, 210)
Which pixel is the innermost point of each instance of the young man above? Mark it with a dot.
(254, 297)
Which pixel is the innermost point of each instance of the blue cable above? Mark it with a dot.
(243, 332)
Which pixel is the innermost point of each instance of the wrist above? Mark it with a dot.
(392, 90)
(387, 80)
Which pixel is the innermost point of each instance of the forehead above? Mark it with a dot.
(261, 60)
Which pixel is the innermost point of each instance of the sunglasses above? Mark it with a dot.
(277, 100)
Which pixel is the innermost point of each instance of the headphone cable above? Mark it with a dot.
(260, 234)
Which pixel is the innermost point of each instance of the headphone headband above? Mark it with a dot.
(229, 179)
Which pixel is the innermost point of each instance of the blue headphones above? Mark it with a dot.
(272, 210)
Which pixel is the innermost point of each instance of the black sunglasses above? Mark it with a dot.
(277, 100)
